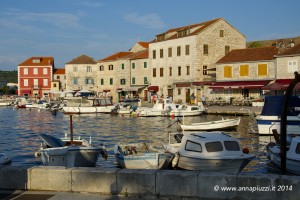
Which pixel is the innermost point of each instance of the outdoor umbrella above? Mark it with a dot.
(274, 86)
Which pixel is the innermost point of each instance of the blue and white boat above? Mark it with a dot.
(270, 116)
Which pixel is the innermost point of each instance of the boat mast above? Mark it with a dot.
(71, 130)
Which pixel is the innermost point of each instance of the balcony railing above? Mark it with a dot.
(36, 87)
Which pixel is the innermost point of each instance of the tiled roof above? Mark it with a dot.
(201, 26)
(137, 55)
(60, 71)
(38, 61)
(144, 44)
(83, 59)
(292, 51)
(255, 54)
(116, 56)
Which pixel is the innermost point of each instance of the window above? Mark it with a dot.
(231, 146)
(26, 71)
(110, 67)
(179, 91)
(193, 146)
(160, 37)
(36, 82)
(228, 72)
(54, 85)
(205, 49)
(88, 69)
(244, 70)
(213, 146)
(183, 33)
(145, 64)
(25, 82)
(133, 80)
(161, 53)
(178, 51)
(187, 49)
(145, 80)
(45, 71)
(37, 60)
(111, 81)
(123, 65)
(170, 71)
(292, 66)
(187, 70)
(35, 71)
(45, 82)
(170, 52)
(161, 72)
(89, 81)
(101, 68)
(227, 49)
(75, 69)
(204, 70)
(221, 33)
(75, 81)
(179, 71)
(262, 70)
(57, 77)
(133, 65)
(154, 72)
(154, 54)
(102, 81)
(123, 81)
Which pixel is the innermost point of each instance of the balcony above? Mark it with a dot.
(36, 87)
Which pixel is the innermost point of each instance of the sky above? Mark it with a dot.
(66, 29)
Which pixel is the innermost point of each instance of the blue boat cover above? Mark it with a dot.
(51, 140)
(274, 104)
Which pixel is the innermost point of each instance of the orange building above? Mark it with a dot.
(35, 76)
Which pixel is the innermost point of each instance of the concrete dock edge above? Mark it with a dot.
(177, 184)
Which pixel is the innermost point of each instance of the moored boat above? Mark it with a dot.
(5, 159)
(141, 156)
(209, 151)
(223, 124)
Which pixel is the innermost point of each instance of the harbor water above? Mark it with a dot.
(19, 129)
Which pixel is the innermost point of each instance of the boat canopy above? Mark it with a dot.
(273, 106)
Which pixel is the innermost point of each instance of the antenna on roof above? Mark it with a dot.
(138, 38)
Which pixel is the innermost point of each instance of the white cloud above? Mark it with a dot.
(152, 20)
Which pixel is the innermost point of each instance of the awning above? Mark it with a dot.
(183, 84)
(240, 85)
(132, 89)
(202, 83)
(153, 88)
(26, 91)
(284, 82)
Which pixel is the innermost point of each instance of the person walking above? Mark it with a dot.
(203, 99)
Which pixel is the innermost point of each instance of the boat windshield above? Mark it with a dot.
(213, 146)
(231, 146)
(193, 146)
(298, 149)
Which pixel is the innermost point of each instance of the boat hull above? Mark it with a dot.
(214, 125)
(87, 110)
(4, 159)
(233, 165)
(70, 156)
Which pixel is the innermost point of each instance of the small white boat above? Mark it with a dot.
(292, 154)
(208, 151)
(223, 124)
(62, 152)
(4, 159)
(95, 105)
(165, 107)
(141, 156)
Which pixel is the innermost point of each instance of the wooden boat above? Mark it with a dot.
(213, 125)
(292, 156)
(4, 159)
(208, 151)
(141, 156)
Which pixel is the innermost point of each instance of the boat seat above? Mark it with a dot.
(51, 141)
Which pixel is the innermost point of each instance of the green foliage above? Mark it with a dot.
(9, 76)
(255, 44)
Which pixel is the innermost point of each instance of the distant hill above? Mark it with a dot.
(9, 76)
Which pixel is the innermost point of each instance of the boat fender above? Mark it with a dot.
(37, 154)
(175, 160)
(246, 150)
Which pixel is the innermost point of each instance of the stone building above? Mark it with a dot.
(81, 74)
(59, 78)
(243, 72)
(183, 59)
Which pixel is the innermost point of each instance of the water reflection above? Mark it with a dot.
(20, 129)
